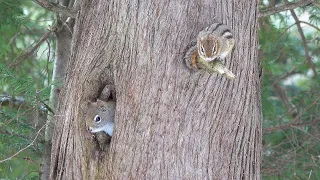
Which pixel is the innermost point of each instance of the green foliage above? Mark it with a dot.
(290, 95)
(18, 133)
(24, 86)
(10, 21)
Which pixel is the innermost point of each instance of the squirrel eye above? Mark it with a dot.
(97, 118)
(201, 49)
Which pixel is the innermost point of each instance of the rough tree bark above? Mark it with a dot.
(63, 39)
(170, 123)
(63, 42)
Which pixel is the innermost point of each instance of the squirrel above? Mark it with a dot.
(213, 44)
(100, 117)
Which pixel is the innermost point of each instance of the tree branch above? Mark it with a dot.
(2, 131)
(284, 7)
(318, 29)
(290, 125)
(290, 73)
(304, 42)
(9, 158)
(28, 52)
(287, 29)
(292, 110)
(55, 7)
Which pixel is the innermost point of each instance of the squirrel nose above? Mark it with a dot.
(90, 129)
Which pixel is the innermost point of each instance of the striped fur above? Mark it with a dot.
(215, 42)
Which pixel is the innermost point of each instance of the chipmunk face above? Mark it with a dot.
(209, 47)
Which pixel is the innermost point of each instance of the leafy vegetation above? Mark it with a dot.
(291, 93)
(24, 86)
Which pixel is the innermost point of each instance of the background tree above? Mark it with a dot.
(290, 53)
(25, 71)
(63, 29)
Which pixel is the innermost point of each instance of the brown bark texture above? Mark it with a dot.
(63, 42)
(171, 123)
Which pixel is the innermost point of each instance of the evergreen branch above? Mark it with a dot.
(55, 7)
(28, 52)
(37, 134)
(287, 29)
(304, 42)
(284, 7)
(2, 131)
(291, 125)
(317, 28)
(292, 110)
(289, 73)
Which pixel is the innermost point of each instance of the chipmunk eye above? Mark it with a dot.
(97, 118)
(213, 49)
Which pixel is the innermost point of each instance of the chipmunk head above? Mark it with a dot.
(100, 116)
(209, 47)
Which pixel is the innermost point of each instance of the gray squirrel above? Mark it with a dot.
(100, 116)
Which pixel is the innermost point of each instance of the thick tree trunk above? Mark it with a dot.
(170, 123)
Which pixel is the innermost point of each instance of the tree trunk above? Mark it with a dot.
(171, 123)
(62, 55)
(63, 39)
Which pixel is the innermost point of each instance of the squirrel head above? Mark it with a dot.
(100, 116)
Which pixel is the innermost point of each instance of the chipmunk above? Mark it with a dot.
(213, 44)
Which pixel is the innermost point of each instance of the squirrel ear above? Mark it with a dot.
(100, 102)
(91, 105)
